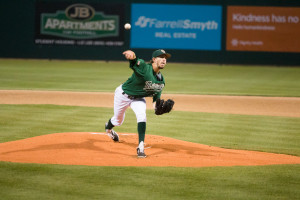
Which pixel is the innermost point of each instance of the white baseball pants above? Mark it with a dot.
(122, 102)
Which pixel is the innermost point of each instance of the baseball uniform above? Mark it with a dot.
(144, 82)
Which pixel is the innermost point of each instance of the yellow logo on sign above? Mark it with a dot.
(80, 12)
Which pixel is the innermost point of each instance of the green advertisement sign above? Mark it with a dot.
(81, 24)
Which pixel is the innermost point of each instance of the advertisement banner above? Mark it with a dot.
(170, 26)
(270, 29)
(79, 24)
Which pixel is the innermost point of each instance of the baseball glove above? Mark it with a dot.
(163, 107)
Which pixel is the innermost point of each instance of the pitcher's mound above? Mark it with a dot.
(87, 148)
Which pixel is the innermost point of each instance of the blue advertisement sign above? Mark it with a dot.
(170, 26)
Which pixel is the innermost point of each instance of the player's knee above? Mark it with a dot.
(117, 121)
(141, 118)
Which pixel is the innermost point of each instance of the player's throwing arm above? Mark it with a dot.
(129, 55)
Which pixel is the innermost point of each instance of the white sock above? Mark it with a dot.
(141, 146)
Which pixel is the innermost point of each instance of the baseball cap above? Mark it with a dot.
(160, 52)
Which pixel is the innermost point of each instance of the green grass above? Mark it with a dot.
(33, 181)
(261, 133)
(180, 78)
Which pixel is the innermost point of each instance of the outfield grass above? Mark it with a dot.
(180, 78)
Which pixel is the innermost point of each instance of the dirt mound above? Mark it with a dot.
(86, 148)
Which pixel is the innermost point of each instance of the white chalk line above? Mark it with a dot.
(118, 134)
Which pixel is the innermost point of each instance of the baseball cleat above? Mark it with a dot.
(140, 154)
(112, 134)
(140, 150)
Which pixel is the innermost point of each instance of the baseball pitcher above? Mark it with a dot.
(146, 81)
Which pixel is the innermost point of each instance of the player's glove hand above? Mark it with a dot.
(162, 107)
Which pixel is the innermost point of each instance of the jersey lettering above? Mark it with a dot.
(153, 87)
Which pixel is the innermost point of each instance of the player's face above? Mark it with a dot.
(161, 61)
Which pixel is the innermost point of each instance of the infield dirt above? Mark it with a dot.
(245, 105)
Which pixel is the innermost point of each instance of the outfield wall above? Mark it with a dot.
(224, 32)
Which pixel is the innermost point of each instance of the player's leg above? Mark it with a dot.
(121, 103)
(139, 108)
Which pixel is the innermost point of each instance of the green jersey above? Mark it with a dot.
(144, 82)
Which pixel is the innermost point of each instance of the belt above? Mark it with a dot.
(129, 96)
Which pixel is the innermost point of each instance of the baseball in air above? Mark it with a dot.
(127, 26)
